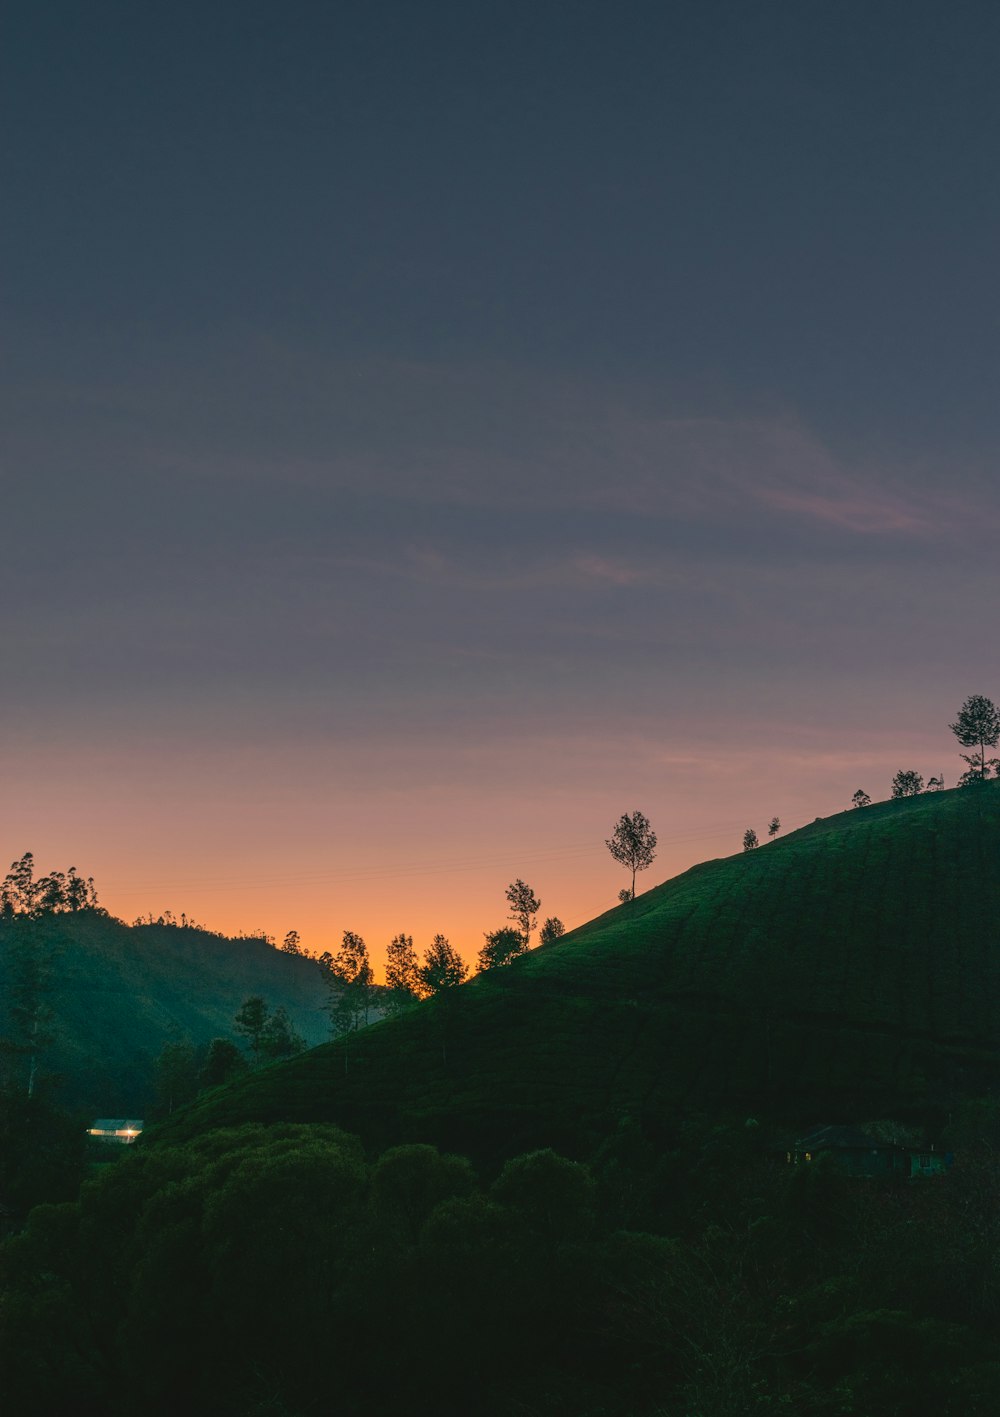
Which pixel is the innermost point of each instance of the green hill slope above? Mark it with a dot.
(850, 969)
(118, 993)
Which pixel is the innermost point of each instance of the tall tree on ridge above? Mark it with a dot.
(552, 929)
(524, 908)
(443, 967)
(402, 973)
(350, 979)
(977, 726)
(633, 843)
(501, 948)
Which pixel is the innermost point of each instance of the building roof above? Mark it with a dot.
(840, 1139)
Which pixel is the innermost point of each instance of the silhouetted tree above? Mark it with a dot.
(750, 839)
(17, 894)
(501, 947)
(349, 975)
(861, 799)
(443, 968)
(907, 783)
(977, 726)
(280, 1039)
(291, 945)
(402, 973)
(625, 895)
(935, 784)
(223, 1062)
(251, 1022)
(633, 844)
(524, 907)
(551, 930)
(773, 827)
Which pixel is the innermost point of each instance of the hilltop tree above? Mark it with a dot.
(443, 967)
(625, 895)
(349, 976)
(524, 907)
(501, 948)
(861, 799)
(551, 930)
(633, 844)
(977, 726)
(773, 827)
(291, 944)
(22, 894)
(750, 839)
(402, 973)
(907, 783)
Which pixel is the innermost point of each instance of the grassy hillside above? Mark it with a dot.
(118, 993)
(849, 970)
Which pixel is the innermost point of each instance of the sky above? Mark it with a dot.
(429, 431)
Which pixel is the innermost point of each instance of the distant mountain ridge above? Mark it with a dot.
(119, 993)
(850, 969)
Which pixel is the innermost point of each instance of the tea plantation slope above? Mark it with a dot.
(849, 970)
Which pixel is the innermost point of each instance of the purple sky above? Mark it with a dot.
(429, 432)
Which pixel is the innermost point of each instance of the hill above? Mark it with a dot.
(848, 970)
(119, 993)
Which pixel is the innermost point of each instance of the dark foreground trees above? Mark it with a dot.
(253, 1269)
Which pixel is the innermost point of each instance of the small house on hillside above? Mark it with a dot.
(858, 1154)
(121, 1130)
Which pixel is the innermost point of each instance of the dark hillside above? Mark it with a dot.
(118, 993)
(849, 970)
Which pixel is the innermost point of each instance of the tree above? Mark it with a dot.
(935, 784)
(443, 968)
(551, 930)
(291, 944)
(907, 783)
(861, 799)
(175, 1075)
(350, 977)
(633, 844)
(750, 839)
(524, 907)
(222, 1062)
(501, 948)
(773, 827)
(977, 726)
(251, 1022)
(29, 982)
(280, 1038)
(625, 895)
(402, 973)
